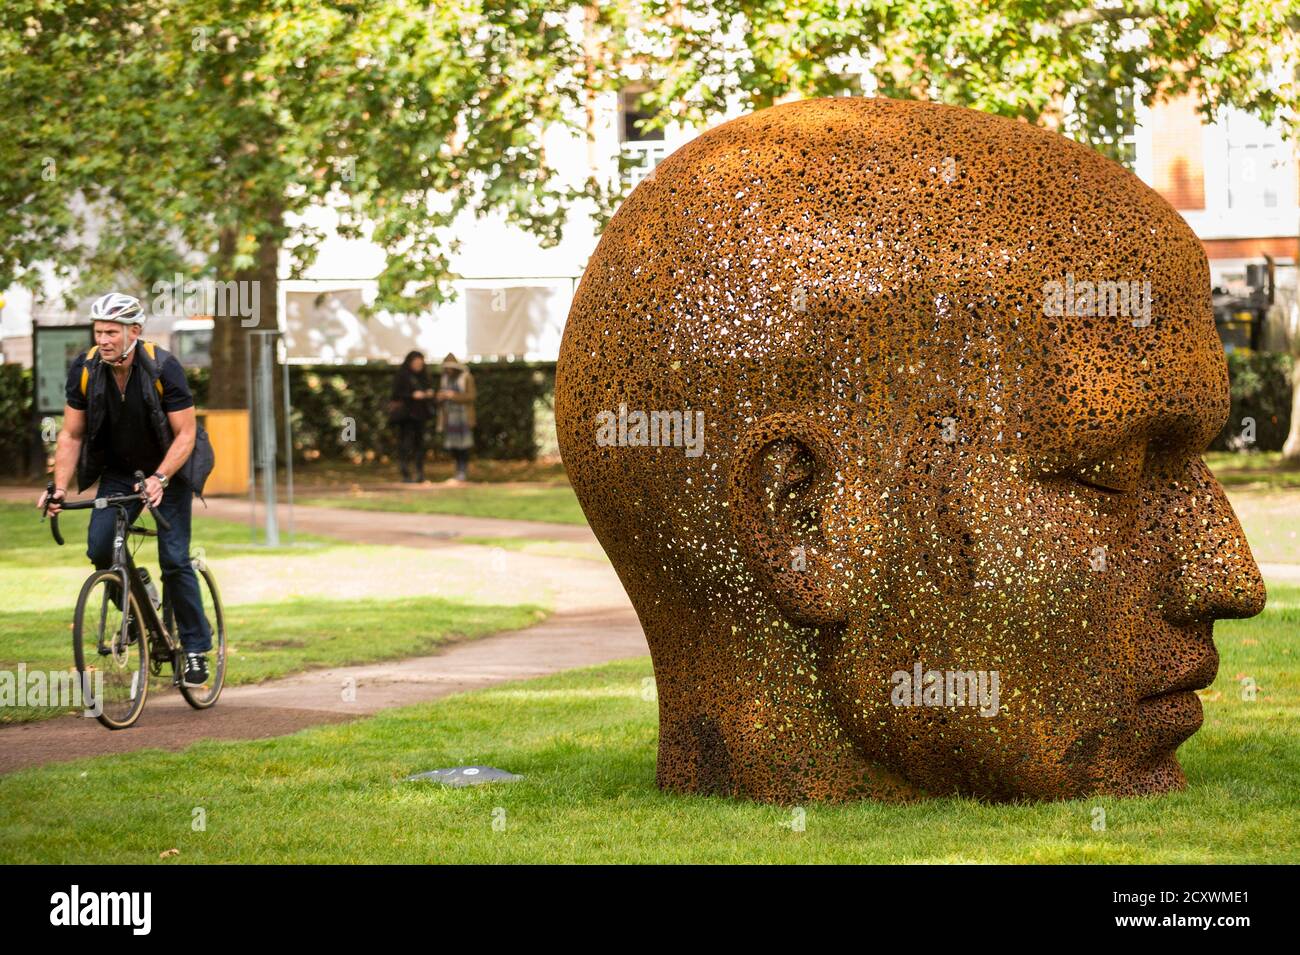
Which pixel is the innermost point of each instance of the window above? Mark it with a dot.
(633, 116)
(1255, 163)
(642, 148)
(852, 85)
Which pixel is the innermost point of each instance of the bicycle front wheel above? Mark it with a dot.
(201, 697)
(111, 651)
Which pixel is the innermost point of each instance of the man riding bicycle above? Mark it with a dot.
(129, 409)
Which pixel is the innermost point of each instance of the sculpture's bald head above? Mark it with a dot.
(928, 445)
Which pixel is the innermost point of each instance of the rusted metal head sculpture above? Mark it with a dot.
(889, 416)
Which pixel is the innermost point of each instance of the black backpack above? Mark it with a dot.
(199, 464)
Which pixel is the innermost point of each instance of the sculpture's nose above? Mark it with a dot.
(1213, 574)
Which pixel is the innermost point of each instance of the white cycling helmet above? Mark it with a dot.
(116, 307)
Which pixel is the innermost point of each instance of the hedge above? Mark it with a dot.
(1261, 389)
(15, 417)
(340, 411)
(516, 407)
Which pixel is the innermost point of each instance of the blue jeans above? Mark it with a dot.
(180, 582)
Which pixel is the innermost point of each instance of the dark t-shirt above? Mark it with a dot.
(126, 439)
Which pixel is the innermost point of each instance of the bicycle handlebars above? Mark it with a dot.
(54, 518)
(98, 504)
(153, 511)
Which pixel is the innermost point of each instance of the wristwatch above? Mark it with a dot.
(162, 478)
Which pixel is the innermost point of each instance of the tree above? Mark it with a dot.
(194, 134)
(147, 137)
(1076, 65)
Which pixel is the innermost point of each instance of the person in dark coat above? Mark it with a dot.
(408, 411)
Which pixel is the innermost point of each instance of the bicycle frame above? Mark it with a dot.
(152, 622)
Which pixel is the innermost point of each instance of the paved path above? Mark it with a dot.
(593, 623)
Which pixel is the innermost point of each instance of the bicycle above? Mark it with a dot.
(124, 646)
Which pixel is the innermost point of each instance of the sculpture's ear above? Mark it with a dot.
(782, 479)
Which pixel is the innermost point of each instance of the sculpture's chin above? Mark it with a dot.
(1163, 776)
(1163, 723)
(1171, 718)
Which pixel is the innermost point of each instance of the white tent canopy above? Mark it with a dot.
(520, 319)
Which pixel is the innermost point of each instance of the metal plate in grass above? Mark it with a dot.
(466, 776)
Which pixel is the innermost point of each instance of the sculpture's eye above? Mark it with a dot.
(1117, 472)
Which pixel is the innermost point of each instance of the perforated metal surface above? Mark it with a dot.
(923, 449)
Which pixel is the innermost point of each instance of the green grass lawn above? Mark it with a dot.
(554, 504)
(1266, 498)
(1261, 470)
(585, 743)
(39, 582)
(25, 540)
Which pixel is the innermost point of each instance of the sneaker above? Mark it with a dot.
(196, 670)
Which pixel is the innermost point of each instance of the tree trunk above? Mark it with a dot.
(1291, 449)
(1291, 322)
(230, 334)
(226, 387)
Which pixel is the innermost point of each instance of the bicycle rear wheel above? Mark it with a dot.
(202, 697)
(111, 651)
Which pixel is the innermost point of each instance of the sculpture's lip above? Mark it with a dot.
(1197, 678)
(1168, 695)
(1189, 684)
(1174, 712)
(1172, 716)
